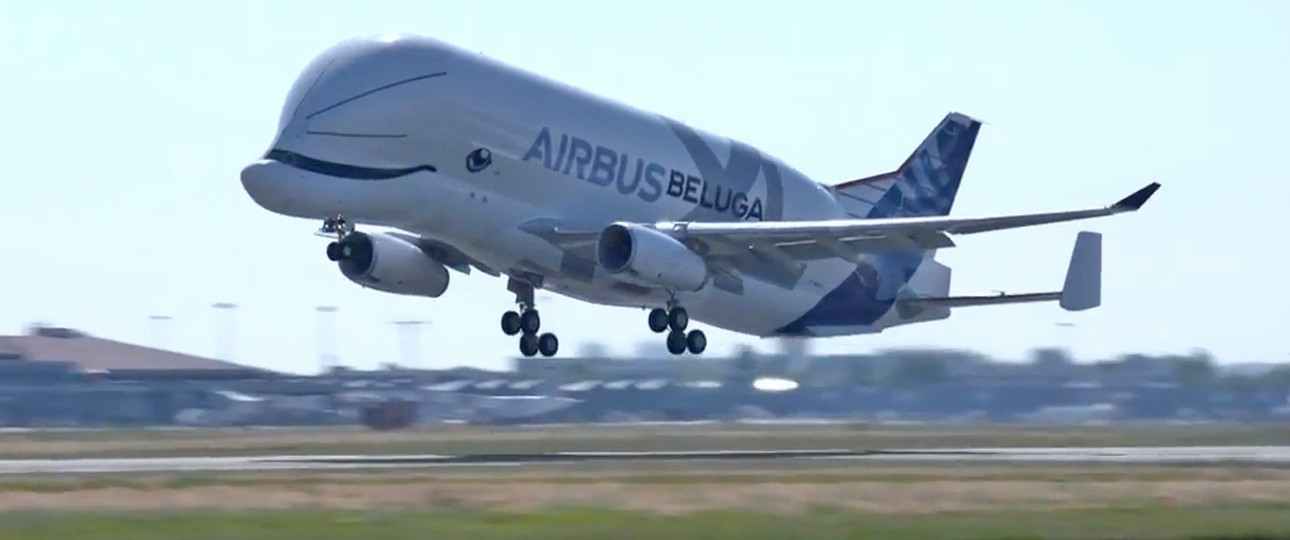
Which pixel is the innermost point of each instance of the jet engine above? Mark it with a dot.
(645, 255)
(388, 264)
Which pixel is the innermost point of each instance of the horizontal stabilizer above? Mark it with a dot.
(987, 300)
(1082, 290)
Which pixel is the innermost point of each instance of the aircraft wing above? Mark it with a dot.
(847, 238)
(776, 251)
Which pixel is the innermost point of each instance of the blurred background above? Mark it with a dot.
(52, 377)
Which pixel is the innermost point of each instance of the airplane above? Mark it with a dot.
(477, 165)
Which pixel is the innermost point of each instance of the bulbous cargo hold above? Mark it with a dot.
(388, 264)
(643, 254)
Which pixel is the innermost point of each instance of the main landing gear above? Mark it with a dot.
(674, 321)
(526, 322)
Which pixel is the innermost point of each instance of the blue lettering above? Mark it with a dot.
(602, 166)
(703, 196)
(541, 148)
(559, 157)
(653, 181)
(755, 210)
(676, 184)
(691, 186)
(722, 207)
(580, 154)
(739, 204)
(625, 188)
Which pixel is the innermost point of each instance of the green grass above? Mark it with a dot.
(1127, 522)
(475, 440)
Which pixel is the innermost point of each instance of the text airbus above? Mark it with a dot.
(603, 166)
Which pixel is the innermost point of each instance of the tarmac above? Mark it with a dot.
(1264, 455)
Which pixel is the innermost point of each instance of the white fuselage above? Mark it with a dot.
(556, 152)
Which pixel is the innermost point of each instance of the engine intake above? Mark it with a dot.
(643, 254)
(388, 264)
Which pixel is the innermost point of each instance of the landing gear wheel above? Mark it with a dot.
(333, 251)
(530, 322)
(528, 345)
(658, 320)
(696, 341)
(678, 319)
(676, 342)
(547, 344)
(511, 323)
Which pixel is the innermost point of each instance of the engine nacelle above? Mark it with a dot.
(389, 264)
(647, 255)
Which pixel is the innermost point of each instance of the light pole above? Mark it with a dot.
(410, 338)
(224, 329)
(326, 339)
(158, 324)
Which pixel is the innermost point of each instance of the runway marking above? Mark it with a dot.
(1146, 455)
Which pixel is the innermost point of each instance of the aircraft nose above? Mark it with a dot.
(364, 87)
(267, 184)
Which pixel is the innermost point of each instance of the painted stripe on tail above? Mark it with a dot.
(925, 184)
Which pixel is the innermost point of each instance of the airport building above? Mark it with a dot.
(61, 376)
(53, 353)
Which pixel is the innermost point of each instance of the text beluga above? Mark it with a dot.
(603, 166)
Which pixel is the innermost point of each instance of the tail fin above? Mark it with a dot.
(1083, 287)
(925, 184)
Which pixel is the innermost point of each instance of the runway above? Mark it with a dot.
(1265, 455)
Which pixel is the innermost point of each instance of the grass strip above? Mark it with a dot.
(1244, 522)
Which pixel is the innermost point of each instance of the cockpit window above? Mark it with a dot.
(341, 170)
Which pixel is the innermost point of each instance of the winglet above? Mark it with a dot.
(1138, 198)
(1083, 287)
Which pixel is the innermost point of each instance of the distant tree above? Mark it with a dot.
(1242, 383)
(1050, 359)
(581, 371)
(1195, 369)
(859, 372)
(1277, 377)
(744, 367)
(920, 369)
(1108, 366)
(593, 349)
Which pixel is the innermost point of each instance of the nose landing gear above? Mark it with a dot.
(336, 227)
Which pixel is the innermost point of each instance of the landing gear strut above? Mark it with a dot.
(674, 321)
(527, 323)
(338, 227)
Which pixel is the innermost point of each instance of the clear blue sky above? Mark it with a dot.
(126, 123)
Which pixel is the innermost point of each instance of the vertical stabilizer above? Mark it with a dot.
(926, 184)
(1083, 287)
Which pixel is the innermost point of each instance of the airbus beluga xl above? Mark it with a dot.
(480, 166)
